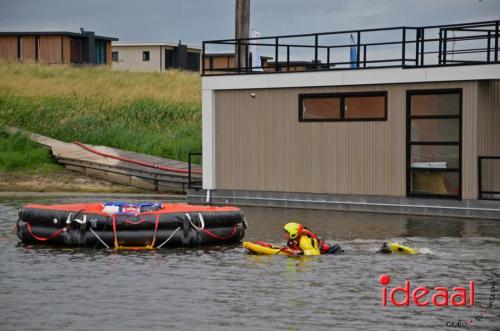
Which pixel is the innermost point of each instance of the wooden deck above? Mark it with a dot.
(78, 159)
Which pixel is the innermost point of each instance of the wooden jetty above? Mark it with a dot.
(119, 166)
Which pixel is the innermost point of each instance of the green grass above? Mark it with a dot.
(151, 113)
(18, 153)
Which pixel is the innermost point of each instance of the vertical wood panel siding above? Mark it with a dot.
(50, 49)
(29, 49)
(260, 144)
(108, 53)
(66, 50)
(8, 48)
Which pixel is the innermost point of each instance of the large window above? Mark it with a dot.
(434, 143)
(193, 61)
(366, 106)
(100, 52)
(169, 58)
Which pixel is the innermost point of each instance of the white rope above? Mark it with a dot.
(95, 234)
(166, 241)
(245, 223)
(202, 222)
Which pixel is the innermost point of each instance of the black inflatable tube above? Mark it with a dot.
(86, 238)
(58, 219)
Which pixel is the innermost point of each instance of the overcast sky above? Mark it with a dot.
(193, 21)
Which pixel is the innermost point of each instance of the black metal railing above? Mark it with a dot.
(194, 182)
(406, 47)
(489, 177)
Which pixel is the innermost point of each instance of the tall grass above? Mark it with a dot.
(18, 153)
(152, 113)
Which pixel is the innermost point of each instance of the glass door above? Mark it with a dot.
(434, 137)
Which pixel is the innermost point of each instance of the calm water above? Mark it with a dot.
(221, 288)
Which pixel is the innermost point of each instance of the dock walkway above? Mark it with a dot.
(77, 158)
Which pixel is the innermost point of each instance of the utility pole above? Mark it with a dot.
(242, 30)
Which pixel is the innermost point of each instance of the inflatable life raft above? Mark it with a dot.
(129, 226)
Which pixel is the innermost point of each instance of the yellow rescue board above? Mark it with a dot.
(263, 250)
(401, 249)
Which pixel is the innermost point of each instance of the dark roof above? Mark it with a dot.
(53, 33)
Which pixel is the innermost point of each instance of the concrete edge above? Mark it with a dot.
(483, 209)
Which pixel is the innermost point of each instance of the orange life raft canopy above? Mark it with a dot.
(127, 226)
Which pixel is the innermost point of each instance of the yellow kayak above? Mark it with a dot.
(262, 248)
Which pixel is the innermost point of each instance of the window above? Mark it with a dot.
(324, 108)
(193, 61)
(145, 56)
(169, 58)
(434, 143)
(366, 106)
(114, 56)
(37, 49)
(100, 52)
(20, 48)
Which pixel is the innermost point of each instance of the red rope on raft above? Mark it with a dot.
(144, 164)
(55, 234)
(135, 223)
(213, 235)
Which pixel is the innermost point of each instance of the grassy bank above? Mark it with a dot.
(18, 153)
(152, 113)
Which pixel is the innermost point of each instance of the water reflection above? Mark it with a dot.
(222, 288)
(434, 227)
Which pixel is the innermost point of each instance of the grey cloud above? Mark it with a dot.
(193, 21)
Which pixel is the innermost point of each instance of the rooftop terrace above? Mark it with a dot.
(405, 47)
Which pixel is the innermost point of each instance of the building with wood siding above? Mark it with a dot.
(414, 131)
(155, 56)
(222, 62)
(56, 47)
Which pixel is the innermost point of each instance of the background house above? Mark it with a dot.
(55, 47)
(155, 56)
(215, 63)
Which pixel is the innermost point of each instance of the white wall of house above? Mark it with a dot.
(130, 58)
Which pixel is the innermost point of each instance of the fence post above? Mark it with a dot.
(488, 56)
(315, 51)
(238, 57)
(189, 169)
(364, 55)
(422, 50)
(276, 54)
(496, 42)
(247, 57)
(203, 58)
(445, 41)
(358, 48)
(440, 46)
(403, 48)
(287, 58)
(417, 46)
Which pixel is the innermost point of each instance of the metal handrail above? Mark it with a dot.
(192, 183)
(416, 37)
